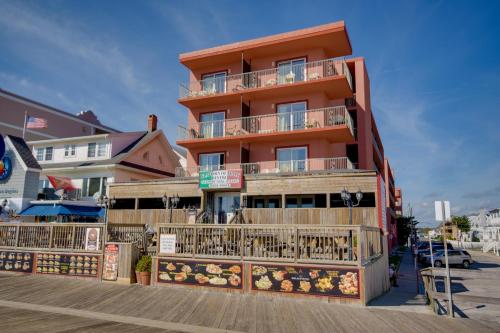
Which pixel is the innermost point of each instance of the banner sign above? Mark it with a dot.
(209, 274)
(92, 239)
(110, 264)
(333, 282)
(67, 264)
(220, 179)
(16, 261)
(167, 243)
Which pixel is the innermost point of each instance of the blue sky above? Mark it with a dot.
(434, 69)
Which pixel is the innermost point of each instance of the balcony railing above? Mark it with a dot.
(269, 123)
(273, 167)
(268, 242)
(266, 78)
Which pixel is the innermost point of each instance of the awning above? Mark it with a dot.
(56, 210)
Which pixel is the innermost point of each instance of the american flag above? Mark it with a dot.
(34, 122)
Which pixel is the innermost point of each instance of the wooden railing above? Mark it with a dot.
(126, 233)
(287, 243)
(324, 216)
(147, 216)
(48, 236)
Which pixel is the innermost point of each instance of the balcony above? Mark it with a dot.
(274, 167)
(316, 123)
(329, 75)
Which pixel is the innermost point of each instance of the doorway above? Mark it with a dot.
(225, 206)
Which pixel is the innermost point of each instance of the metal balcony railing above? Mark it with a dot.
(269, 123)
(283, 75)
(274, 167)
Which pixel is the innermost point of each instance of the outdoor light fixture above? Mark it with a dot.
(174, 201)
(346, 197)
(164, 199)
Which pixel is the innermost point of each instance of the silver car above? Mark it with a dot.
(455, 257)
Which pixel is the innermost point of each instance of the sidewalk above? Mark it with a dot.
(404, 297)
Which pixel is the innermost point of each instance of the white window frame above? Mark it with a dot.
(101, 149)
(70, 150)
(51, 149)
(290, 61)
(214, 77)
(292, 165)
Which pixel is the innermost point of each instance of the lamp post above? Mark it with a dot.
(347, 199)
(174, 201)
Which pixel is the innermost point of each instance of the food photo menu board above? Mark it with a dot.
(222, 275)
(67, 264)
(336, 282)
(16, 261)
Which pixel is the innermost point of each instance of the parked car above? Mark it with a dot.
(438, 246)
(423, 254)
(455, 257)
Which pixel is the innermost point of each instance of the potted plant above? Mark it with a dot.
(143, 270)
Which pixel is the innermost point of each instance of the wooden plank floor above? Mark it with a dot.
(103, 307)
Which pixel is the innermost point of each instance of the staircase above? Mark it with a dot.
(492, 246)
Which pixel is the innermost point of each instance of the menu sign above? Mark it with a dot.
(66, 264)
(110, 265)
(337, 282)
(16, 261)
(210, 179)
(92, 239)
(167, 243)
(222, 275)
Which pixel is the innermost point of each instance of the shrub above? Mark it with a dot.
(144, 264)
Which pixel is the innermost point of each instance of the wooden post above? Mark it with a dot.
(51, 234)
(360, 239)
(17, 236)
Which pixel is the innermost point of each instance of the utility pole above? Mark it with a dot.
(448, 277)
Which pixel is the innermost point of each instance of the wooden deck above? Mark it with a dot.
(35, 303)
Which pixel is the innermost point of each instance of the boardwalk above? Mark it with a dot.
(36, 304)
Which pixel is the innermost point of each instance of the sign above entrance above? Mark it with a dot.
(220, 179)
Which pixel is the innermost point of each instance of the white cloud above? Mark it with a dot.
(68, 38)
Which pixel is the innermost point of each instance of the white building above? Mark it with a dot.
(96, 160)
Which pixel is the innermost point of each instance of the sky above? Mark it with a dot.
(434, 69)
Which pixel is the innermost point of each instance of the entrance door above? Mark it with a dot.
(225, 205)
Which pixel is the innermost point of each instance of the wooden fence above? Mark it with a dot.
(147, 216)
(48, 236)
(314, 216)
(284, 243)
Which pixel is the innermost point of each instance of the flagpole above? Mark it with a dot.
(24, 126)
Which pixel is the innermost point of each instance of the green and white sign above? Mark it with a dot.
(213, 179)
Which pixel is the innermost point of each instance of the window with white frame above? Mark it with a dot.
(39, 154)
(69, 150)
(91, 150)
(49, 153)
(291, 70)
(292, 159)
(101, 149)
(212, 161)
(214, 83)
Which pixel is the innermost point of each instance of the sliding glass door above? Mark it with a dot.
(292, 159)
(291, 71)
(292, 116)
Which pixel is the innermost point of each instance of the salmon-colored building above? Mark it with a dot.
(287, 102)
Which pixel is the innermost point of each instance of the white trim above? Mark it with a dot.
(75, 138)
(59, 112)
(27, 130)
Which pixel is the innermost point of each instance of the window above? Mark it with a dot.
(214, 83)
(300, 201)
(43, 183)
(91, 186)
(69, 150)
(39, 154)
(292, 159)
(212, 124)
(145, 156)
(211, 161)
(291, 71)
(91, 149)
(101, 150)
(48, 153)
(151, 203)
(292, 116)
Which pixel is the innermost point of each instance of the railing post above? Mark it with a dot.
(242, 241)
(73, 238)
(359, 231)
(195, 240)
(296, 255)
(51, 234)
(17, 236)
